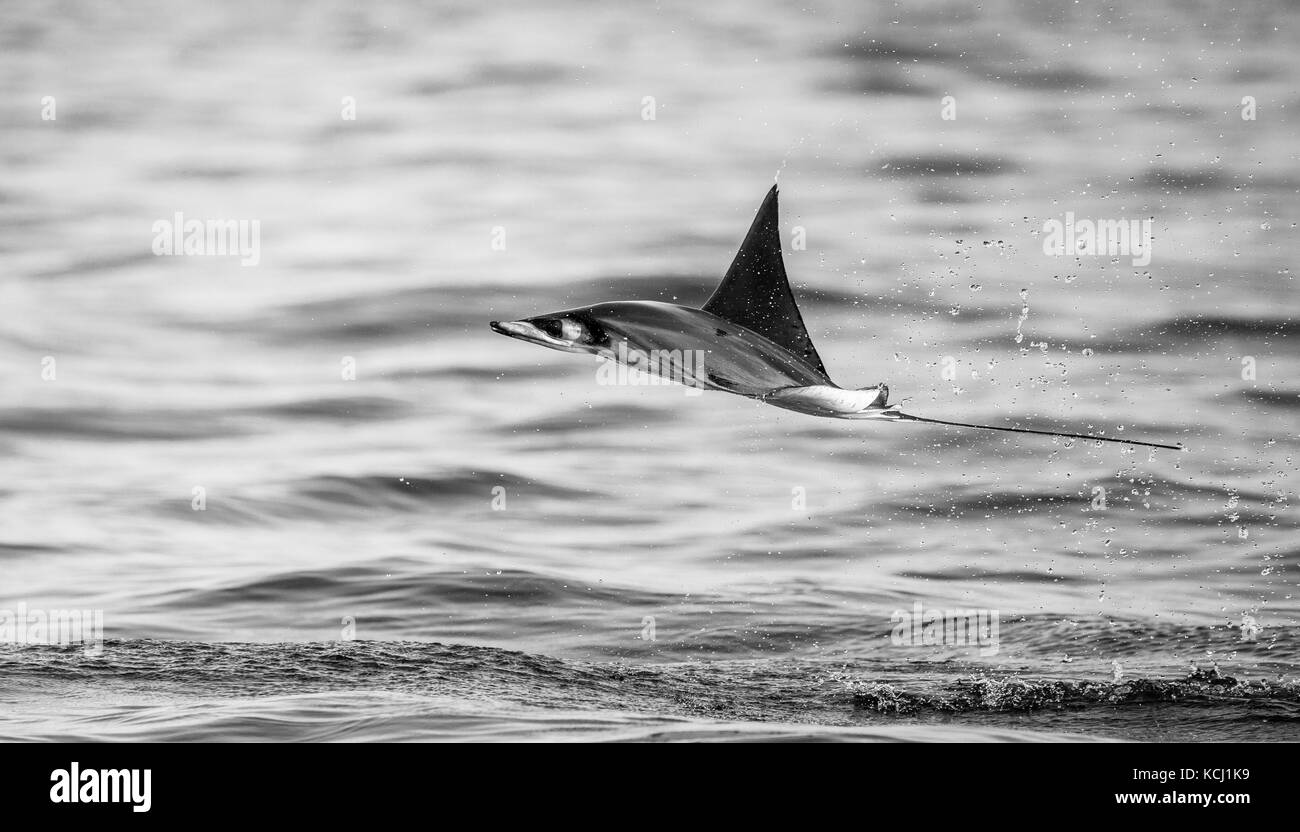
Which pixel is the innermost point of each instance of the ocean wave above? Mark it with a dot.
(1193, 332)
(402, 585)
(321, 691)
(1262, 699)
(106, 423)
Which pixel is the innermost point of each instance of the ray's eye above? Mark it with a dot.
(573, 331)
(551, 327)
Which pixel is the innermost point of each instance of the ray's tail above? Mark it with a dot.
(909, 418)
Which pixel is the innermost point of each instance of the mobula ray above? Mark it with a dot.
(750, 334)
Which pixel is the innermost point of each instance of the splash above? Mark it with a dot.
(1024, 314)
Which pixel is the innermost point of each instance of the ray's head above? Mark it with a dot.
(573, 331)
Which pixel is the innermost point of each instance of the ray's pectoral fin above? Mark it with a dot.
(755, 292)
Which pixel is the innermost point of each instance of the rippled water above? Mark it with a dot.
(500, 532)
